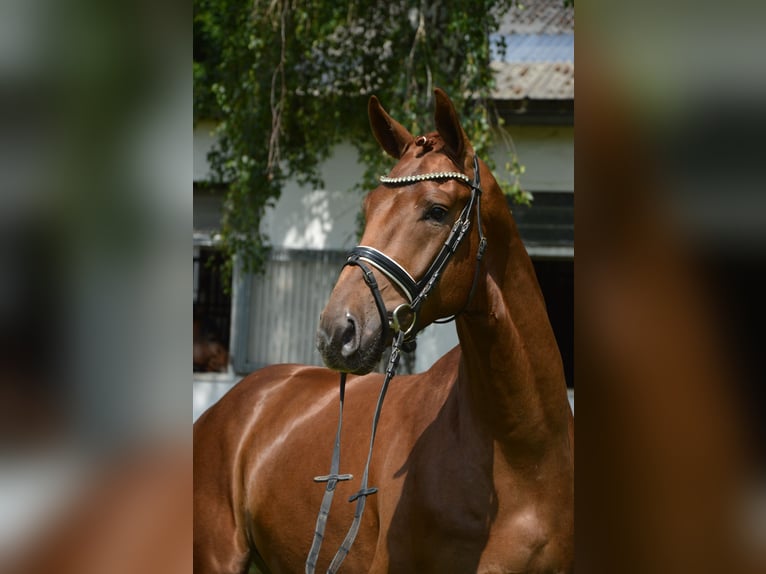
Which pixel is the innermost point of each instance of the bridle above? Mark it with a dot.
(417, 291)
(402, 322)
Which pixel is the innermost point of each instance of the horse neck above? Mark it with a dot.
(511, 370)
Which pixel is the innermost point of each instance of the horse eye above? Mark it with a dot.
(436, 213)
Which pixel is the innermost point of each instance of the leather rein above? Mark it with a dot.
(402, 322)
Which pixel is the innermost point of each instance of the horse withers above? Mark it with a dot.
(474, 458)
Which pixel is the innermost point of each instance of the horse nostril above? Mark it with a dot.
(349, 340)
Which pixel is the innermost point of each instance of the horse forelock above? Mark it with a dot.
(425, 154)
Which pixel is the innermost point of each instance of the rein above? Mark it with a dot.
(402, 322)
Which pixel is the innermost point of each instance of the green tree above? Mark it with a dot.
(289, 79)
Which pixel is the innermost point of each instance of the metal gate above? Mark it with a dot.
(276, 314)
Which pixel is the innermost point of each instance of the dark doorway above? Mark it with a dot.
(212, 312)
(556, 278)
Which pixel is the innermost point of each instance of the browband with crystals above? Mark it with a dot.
(426, 176)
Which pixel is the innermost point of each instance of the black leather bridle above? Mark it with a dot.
(402, 322)
(417, 291)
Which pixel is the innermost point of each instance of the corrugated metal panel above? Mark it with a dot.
(285, 304)
(279, 312)
(541, 81)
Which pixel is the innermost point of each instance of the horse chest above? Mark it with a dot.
(529, 533)
(456, 515)
(469, 537)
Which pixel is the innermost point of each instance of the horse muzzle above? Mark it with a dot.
(349, 343)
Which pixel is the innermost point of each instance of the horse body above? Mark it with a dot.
(473, 459)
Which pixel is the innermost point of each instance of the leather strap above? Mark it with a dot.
(364, 491)
(388, 267)
(332, 480)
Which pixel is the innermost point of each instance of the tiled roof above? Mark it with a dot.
(538, 60)
(537, 81)
(539, 17)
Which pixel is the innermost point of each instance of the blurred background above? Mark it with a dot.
(95, 208)
(669, 283)
(96, 180)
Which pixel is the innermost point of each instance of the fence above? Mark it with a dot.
(276, 314)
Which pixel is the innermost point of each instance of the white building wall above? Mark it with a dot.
(547, 153)
(307, 218)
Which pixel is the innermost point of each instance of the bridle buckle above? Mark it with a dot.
(403, 319)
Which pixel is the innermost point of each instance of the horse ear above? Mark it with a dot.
(391, 135)
(449, 128)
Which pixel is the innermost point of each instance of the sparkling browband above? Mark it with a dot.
(426, 176)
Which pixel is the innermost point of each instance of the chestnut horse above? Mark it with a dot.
(474, 459)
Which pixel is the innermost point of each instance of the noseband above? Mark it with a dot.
(402, 322)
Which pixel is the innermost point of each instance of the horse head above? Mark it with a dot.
(431, 192)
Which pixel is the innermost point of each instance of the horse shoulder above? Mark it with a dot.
(246, 443)
(264, 403)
